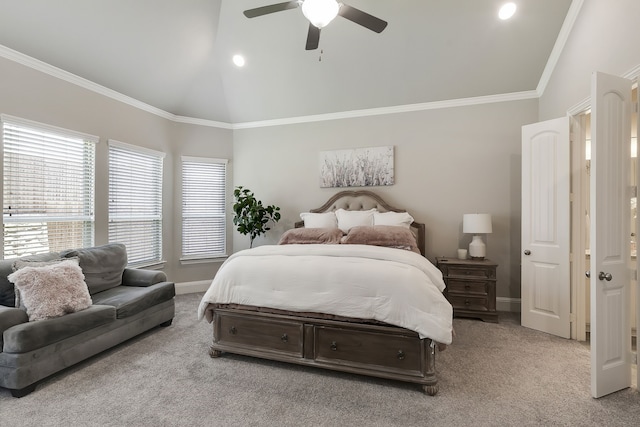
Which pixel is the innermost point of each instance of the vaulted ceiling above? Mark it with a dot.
(175, 55)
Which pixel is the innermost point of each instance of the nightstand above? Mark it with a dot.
(471, 287)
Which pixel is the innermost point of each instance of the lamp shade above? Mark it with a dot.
(476, 223)
(320, 12)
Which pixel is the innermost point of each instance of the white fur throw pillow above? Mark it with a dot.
(22, 263)
(53, 290)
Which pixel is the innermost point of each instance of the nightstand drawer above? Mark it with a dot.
(472, 272)
(470, 287)
(467, 302)
(477, 287)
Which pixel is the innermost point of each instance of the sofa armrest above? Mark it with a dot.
(142, 277)
(9, 317)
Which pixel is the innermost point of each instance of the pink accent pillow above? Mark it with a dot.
(302, 236)
(382, 235)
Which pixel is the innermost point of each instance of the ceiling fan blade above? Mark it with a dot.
(313, 37)
(272, 8)
(362, 18)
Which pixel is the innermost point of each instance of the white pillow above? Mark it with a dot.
(319, 220)
(401, 219)
(349, 219)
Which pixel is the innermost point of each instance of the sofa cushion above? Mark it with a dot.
(7, 295)
(52, 290)
(130, 300)
(33, 335)
(102, 265)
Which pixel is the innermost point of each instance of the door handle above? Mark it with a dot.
(527, 252)
(605, 276)
(587, 273)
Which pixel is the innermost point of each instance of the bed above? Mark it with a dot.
(360, 300)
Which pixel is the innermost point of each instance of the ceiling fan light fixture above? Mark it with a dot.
(320, 12)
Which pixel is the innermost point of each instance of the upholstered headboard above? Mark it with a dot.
(362, 200)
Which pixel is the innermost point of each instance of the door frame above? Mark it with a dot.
(578, 229)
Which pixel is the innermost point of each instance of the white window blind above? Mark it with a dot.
(48, 188)
(203, 207)
(135, 201)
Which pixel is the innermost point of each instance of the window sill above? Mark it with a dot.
(157, 265)
(203, 260)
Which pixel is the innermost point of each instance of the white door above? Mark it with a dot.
(546, 290)
(610, 234)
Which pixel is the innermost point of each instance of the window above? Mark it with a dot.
(48, 188)
(203, 208)
(135, 202)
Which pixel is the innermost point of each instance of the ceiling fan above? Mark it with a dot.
(320, 13)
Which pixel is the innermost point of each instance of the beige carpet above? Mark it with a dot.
(493, 375)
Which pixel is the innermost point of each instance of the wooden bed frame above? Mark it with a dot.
(341, 344)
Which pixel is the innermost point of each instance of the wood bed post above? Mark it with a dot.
(432, 388)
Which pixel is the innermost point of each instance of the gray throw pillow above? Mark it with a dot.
(102, 266)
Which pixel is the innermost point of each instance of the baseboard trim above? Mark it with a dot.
(192, 287)
(508, 304)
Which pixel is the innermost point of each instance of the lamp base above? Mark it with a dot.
(477, 258)
(477, 248)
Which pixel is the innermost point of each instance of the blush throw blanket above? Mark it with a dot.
(390, 285)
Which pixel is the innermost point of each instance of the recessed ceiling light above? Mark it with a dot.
(507, 11)
(238, 60)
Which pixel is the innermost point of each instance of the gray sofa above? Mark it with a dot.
(124, 303)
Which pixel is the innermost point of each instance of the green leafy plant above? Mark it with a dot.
(250, 215)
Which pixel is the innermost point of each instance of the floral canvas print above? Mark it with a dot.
(360, 167)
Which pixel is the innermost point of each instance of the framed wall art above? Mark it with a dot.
(358, 167)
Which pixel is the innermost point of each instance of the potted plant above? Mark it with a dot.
(250, 215)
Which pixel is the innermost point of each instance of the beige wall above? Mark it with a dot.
(33, 95)
(448, 162)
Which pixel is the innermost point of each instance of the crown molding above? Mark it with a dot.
(633, 74)
(201, 122)
(89, 85)
(58, 73)
(41, 66)
(565, 30)
(436, 105)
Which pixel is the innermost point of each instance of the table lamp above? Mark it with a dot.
(477, 224)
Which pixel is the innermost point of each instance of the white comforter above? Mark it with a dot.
(394, 286)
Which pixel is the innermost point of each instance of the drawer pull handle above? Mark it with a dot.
(334, 346)
(233, 330)
(401, 355)
(467, 302)
(467, 287)
(284, 338)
